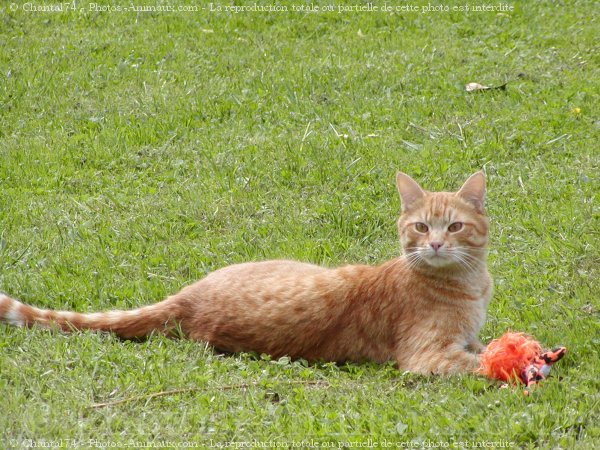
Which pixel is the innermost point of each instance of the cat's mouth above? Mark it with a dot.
(439, 260)
(425, 257)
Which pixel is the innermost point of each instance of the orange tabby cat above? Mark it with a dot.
(424, 309)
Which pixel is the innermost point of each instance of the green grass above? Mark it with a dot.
(141, 151)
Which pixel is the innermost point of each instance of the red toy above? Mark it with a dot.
(517, 357)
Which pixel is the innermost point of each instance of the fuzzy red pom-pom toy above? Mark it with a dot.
(517, 357)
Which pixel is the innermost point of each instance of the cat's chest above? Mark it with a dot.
(460, 292)
(464, 304)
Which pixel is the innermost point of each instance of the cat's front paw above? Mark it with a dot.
(445, 362)
(475, 347)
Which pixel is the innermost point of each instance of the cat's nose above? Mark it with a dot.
(436, 245)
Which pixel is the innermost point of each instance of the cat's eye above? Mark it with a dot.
(421, 227)
(454, 227)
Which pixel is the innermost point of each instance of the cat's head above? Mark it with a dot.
(443, 229)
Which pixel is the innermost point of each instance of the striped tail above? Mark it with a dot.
(161, 317)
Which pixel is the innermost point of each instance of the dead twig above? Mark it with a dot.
(227, 387)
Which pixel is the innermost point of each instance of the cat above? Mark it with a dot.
(422, 310)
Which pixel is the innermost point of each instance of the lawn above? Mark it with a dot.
(142, 150)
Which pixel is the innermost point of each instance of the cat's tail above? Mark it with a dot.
(161, 317)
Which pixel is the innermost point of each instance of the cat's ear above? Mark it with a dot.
(410, 192)
(473, 191)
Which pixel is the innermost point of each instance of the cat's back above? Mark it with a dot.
(262, 286)
(255, 271)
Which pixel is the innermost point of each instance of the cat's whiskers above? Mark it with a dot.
(468, 254)
(395, 262)
(415, 261)
(466, 259)
(415, 256)
(463, 255)
(465, 263)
